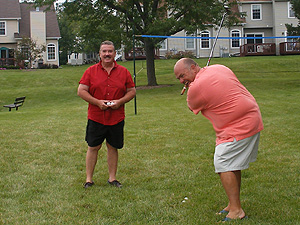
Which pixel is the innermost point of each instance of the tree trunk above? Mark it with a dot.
(149, 47)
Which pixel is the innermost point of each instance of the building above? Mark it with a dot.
(78, 59)
(19, 20)
(264, 18)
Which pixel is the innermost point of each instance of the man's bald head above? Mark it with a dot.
(185, 70)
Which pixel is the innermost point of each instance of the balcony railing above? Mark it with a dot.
(140, 53)
(258, 49)
(289, 48)
(7, 62)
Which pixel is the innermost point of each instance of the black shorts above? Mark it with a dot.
(97, 132)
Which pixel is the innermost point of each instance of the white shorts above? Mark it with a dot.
(236, 155)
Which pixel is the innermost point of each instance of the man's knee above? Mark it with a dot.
(92, 149)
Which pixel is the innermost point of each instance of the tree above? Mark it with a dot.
(294, 30)
(296, 8)
(164, 18)
(28, 49)
(151, 17)
(84, 33)
(67, 42)
(93, 23)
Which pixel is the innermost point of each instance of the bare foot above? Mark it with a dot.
(236, 214)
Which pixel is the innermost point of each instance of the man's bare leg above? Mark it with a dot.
(238, 176)
(91, 160)
(231, 182)
(112, 161)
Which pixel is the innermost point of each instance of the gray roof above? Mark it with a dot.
(52, 24)
(10, 9)
(25, 21)
(52, 28)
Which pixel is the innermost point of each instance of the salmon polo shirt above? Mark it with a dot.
(104, 86)
(222, 99)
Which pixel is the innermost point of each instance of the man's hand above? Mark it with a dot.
(114, 104)
(103, 104)
(83, 92)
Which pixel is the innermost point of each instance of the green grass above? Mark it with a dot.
(168, 151)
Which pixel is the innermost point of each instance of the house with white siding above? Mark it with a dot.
(20, 20)
(264, 18)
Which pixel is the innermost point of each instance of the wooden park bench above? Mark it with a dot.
(18, 103)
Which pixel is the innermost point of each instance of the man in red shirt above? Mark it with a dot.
(216, 92)
(106, 86)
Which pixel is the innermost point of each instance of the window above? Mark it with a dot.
(163, 45)
(235, 43)
(291, 12)
(254, 43)
(25, 52)
(256, 39)
(2, 28)
(3, 53)
(256, 12)
(189, 42)
(289, 39)
(291, 43)
(11, 53)
(51, 52)
(205, 43)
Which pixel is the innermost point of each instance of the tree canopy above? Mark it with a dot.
(98, 20)
(291, 28)
(28, 49)
(296, 8)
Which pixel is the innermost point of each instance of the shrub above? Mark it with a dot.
(169, 55)
(179, 55)
(44, 66)
(48, 66)
(10, 67)
(188, 54)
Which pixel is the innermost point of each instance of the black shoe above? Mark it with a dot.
(115, 183)
(88, 184)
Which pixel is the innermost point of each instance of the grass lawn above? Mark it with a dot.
(168, 152)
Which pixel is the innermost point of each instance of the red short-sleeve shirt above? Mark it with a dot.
(104, 86)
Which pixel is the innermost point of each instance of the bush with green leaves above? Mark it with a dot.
(179, 55)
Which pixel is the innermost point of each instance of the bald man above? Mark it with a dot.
(216, 92)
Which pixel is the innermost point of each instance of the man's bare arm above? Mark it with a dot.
(130, 93)
(83, 92)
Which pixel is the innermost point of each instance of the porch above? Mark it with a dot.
(6, 57)
(7, 62)
(289, 48)
(140, 53)
(258, 49)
